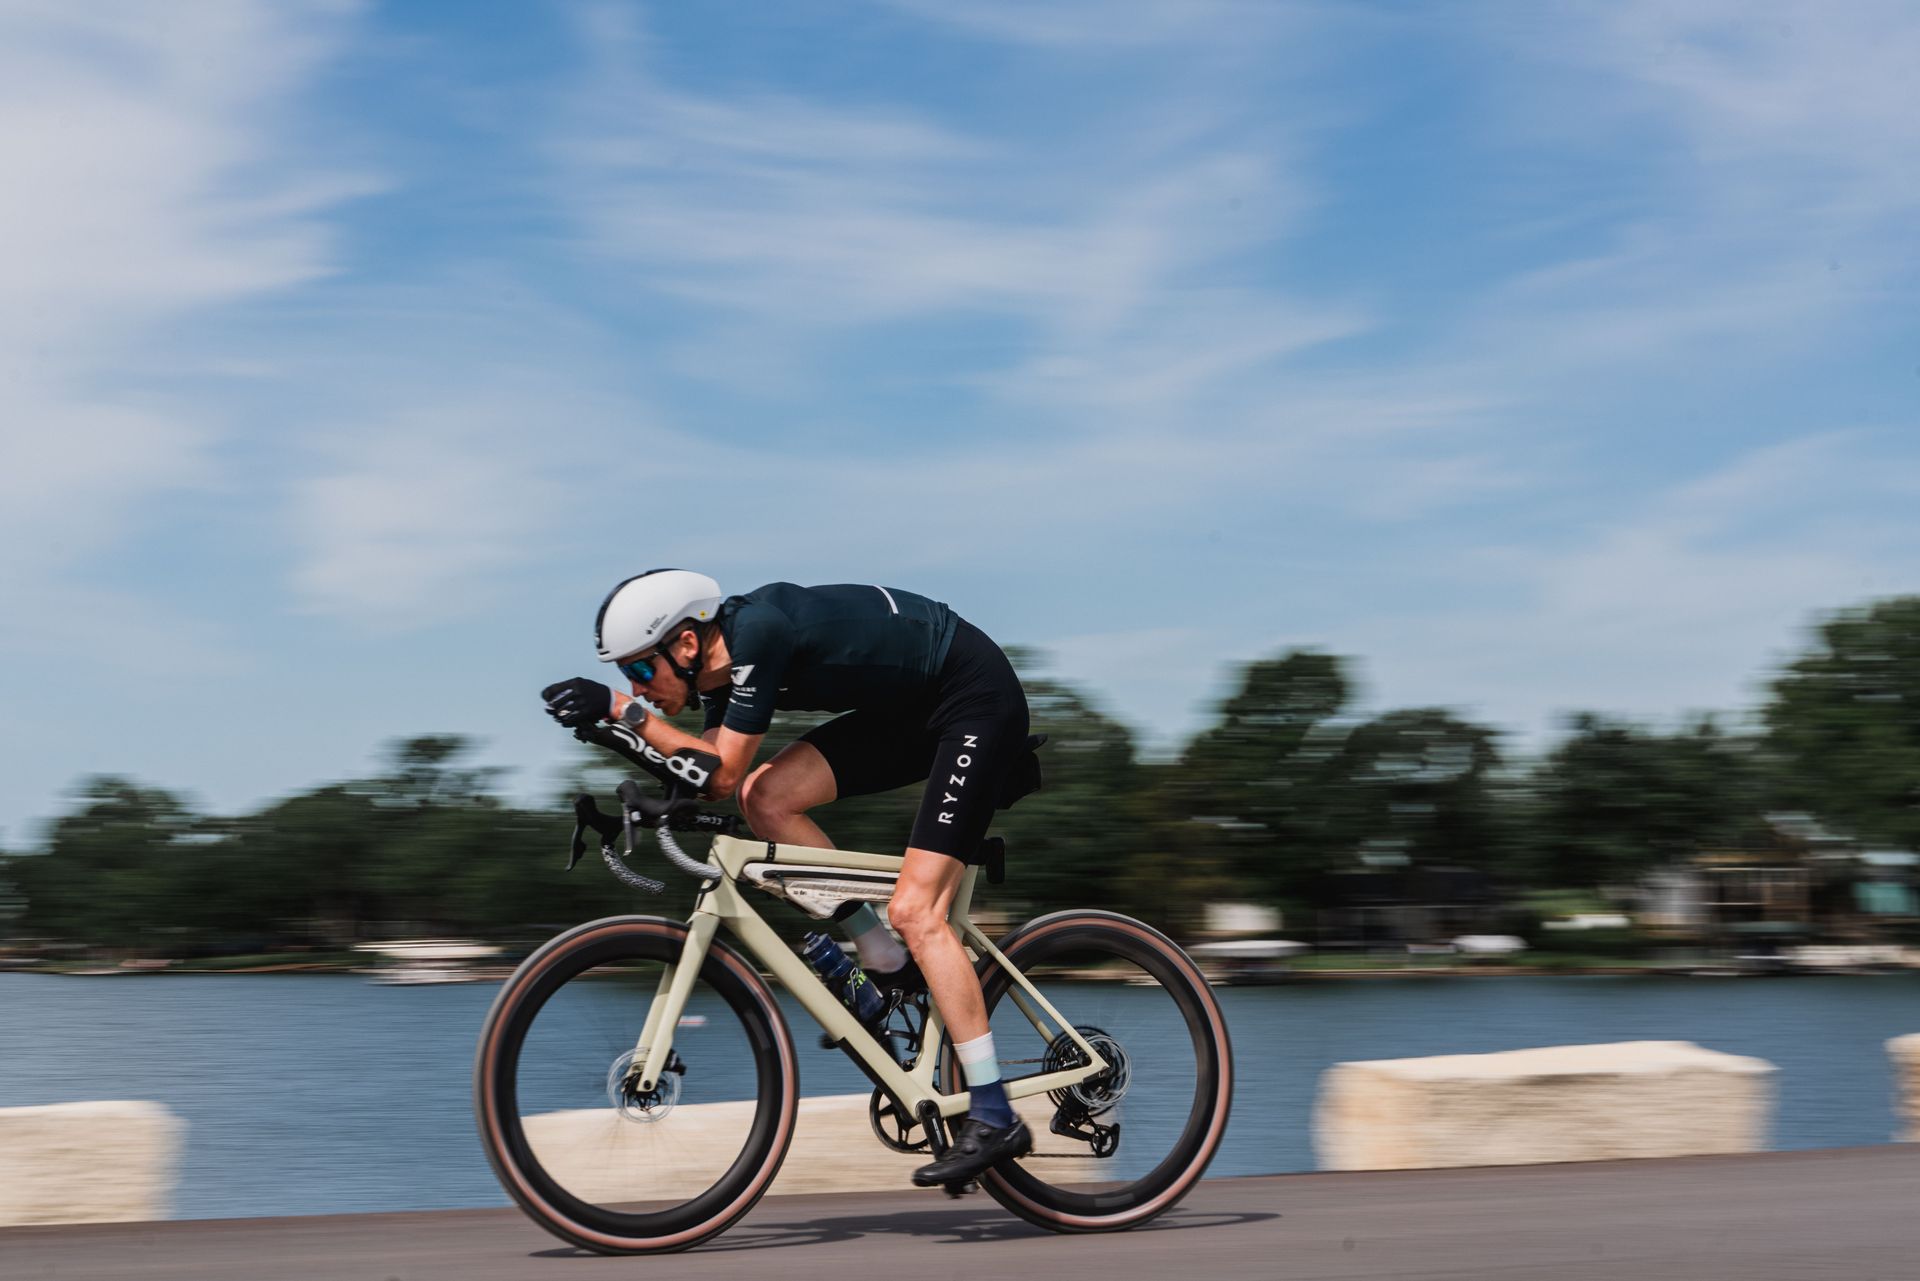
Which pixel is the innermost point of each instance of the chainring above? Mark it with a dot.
(892, 1126)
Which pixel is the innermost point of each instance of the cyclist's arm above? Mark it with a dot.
(735, 750)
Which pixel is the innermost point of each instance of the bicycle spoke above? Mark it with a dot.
(1128, 1141)
(586, 1152)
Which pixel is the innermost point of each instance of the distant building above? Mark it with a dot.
(1804, 879)
(1410, 904)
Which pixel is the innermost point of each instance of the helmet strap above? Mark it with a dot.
(688, 672)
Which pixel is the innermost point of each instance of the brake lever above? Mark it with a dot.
(588, 818)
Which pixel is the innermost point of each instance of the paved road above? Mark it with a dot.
(1849, 1214)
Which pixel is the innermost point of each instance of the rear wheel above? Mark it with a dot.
(1126, 1145)
(578, 1146)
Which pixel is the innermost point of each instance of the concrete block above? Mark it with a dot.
(88, 1162)
(1906, 1072)
(1560, 1103)
(597, 1155)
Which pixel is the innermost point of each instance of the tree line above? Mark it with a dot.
(1282, 799)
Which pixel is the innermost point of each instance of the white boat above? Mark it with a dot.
(408, 962)
(1246, 960)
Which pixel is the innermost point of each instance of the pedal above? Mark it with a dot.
(959, 1187)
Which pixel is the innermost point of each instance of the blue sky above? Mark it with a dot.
(1540, 356)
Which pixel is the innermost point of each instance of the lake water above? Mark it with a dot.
(317, 1094)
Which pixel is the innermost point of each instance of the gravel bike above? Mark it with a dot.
(636, 1084)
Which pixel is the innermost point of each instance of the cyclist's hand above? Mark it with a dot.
(578, 701)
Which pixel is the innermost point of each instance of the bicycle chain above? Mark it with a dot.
(1052, 1156)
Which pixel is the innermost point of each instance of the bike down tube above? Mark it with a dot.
(794, 974)
(911, 1089)
(664, 1016)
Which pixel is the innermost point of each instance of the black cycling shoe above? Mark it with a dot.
(907, 980)
(976, 1147)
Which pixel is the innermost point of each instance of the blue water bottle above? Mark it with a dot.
(845, 979)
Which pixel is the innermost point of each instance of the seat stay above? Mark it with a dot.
(1021, 1086)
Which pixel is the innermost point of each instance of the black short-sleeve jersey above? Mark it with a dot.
(826, 649)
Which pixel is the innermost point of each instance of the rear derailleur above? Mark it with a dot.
(1071, 1122)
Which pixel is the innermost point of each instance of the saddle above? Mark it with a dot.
(1023, 776)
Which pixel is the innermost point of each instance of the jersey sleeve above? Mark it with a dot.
(760, 647)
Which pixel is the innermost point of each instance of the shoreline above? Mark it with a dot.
(1652, 969)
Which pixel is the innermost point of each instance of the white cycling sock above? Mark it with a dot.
(977, 1060)
(880, 952)
(987, 1100)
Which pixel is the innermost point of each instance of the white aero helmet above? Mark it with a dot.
(640, 612)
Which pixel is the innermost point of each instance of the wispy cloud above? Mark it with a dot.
(422, 518)
(1426, 339)
(838, 215)
(1761, 161)
(146, 182)
(1684, 601)
(1082, 25)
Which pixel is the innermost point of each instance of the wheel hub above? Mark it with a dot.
(1100, 1092)
(633, 1103)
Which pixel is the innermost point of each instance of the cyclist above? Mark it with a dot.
(925, 695)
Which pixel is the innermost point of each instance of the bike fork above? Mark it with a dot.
(670, 1000)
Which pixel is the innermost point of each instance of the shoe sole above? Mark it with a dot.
(919, 1182)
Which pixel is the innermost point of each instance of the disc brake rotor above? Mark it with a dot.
(634, 1104)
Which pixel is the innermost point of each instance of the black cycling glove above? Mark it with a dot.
(578, 701)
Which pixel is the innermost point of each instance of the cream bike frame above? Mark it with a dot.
(1084, 1070)
(866, 877)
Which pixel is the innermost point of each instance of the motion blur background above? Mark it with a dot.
(1400, 436)
(1447, 469)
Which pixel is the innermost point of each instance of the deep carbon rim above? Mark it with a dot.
(600, 1227)
(1025, 1188)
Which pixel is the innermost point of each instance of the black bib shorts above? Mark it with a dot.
(962, 737)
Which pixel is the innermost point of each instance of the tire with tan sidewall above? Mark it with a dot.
(602, 1229)
(1091, 931)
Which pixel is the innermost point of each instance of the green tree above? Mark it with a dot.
(1614, 801)
(1264, 792)
(112, 872)
(1070, 843)
(1420, 784)
(1844, 721)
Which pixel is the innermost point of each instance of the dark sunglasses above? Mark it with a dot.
(639, 669)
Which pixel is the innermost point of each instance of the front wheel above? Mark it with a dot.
(578, 1146)
(1128, 1144)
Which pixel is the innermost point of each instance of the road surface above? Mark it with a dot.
(1849, 1214)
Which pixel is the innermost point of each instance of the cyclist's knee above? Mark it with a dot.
(767, 796)
(914, 916)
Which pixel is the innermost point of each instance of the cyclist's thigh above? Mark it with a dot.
(871, 750)
(798, 777)
(970, 757)
(980, 731)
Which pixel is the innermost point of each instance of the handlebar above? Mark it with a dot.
(683, 774)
